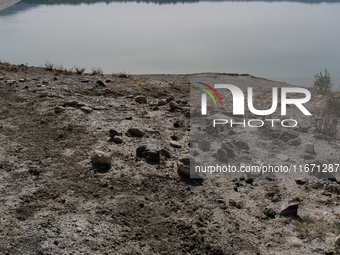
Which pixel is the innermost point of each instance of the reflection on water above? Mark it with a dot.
(268, 39)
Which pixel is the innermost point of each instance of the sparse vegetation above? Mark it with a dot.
(322, 83)
(333, 105)
(325, 125)
(122, 75)
(49, 66)
(310, 228)
(96, 70)
(79, 70)
(59, 69)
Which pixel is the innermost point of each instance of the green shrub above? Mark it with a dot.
(322, 83)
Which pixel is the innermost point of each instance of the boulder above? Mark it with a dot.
(183, 164)
(101, 158)
(141, 99)
(135, 132)
(150, 152)
(289, 209)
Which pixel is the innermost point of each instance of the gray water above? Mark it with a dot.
(283, 40)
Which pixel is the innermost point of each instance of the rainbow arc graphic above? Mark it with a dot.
(209, 93)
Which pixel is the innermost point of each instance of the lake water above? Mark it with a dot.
(285, 40)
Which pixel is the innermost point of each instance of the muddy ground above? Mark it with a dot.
(53, 200)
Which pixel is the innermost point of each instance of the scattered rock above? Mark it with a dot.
(289, 134)
(152, 131)
(86, 109)
(141, 99)
(289, 209)
(34, 170)
(101, 83)
(294, 142)
(114, 133)
(221, 155)
(71, 104)
(187, 114)
(308, 156)
(249, 180)
(150, 152)
(117, 139)
(183, 164)
(99, 108)
(283, 157)
(85, 81)
(322, 137)
(324, 175)
(175, 144)
(337, 241)
(230, 151)
(59, 109)
(165, 153)
(241, 144)
(303, 129)
(236, 204)
(101, 158)
(269, 212)
(204, 145)
(81, 104)
(135, 132)
(309, 148)
(162, 102)
(178, 124)
(294, 241)
(221, 201)
(302, 180)
(11, 82)
(173, 105)
(22, 80)
(175, 137)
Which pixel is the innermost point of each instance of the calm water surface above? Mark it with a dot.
(268, 39)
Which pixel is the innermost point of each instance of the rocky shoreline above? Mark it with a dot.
(89, 165)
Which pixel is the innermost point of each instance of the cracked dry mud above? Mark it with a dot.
(53, 201)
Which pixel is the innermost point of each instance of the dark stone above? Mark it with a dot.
(236, 204)
(135, 132)
(117, 139)
(289, 209)
(175, 144)
(301, 180)
(113, 133)
(289, 134)
(101, 83)
(165, 153)
(221, 201)
(150, 152)
(249, 180)
(241, 144)
(294, 142)
(269, 212)
(322, 137)
(71, 104)
(141, 99)
(230, 151)
(59, 109)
